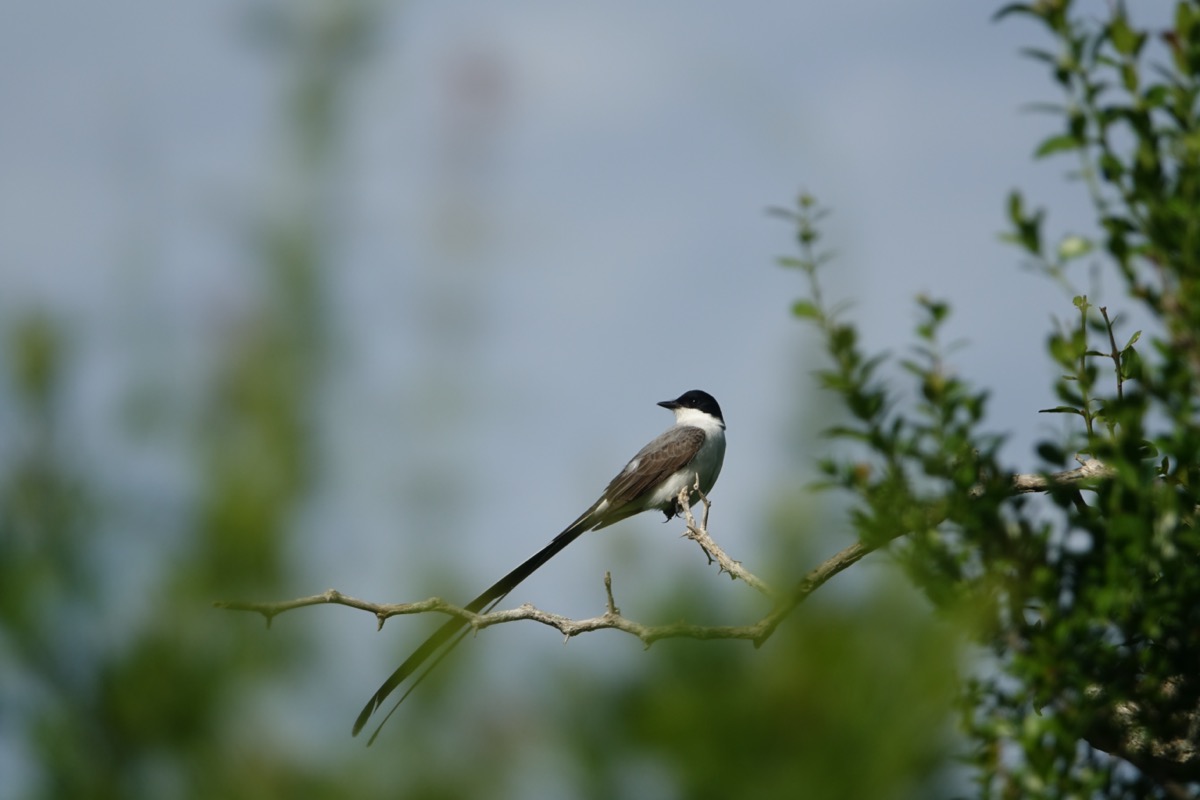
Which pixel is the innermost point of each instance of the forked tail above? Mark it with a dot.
(453, 630)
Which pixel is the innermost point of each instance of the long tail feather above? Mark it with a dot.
(452, 629)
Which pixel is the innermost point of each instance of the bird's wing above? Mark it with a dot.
(654, 463)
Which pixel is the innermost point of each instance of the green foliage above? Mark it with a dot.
(1087, 606)
(120, 707)
(877, 678)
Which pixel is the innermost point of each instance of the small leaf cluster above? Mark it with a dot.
(914, 455)
(1131, 115)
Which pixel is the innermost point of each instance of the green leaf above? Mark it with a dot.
(1014, 8)
(1016, 207)
(1185, 17)
(1060, 410)
(1039, 55)
(1157, 95)
(1051, 453)
(1111, 167)
(846, 432)
(1132, 341)
(1028, 229)
(1129, 78)
(1058, 144)
(1124, 38)
(1131, 365)
(806, 309)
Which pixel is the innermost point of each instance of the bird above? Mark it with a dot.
(688, 454)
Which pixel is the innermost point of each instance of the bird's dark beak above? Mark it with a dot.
(671, 404)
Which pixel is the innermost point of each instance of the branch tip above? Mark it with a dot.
(613, 611)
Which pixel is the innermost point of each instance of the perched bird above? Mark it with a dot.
(689, 452)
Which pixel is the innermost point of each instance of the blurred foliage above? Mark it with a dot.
(846, 702)
(148, 715)
(1088, 604)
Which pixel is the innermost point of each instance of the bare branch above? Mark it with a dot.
(382, 611)
(1081, 477)
(757, 632)
(697, 530)
(815, 579)
(611, 618)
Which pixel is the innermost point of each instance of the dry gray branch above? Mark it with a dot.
(697, 530)
(757, 632)
(1081, 477)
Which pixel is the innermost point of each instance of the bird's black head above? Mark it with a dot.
(701, 401)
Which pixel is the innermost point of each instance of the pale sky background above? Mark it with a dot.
(548, 217)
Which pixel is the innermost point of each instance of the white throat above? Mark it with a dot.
(698, 419)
